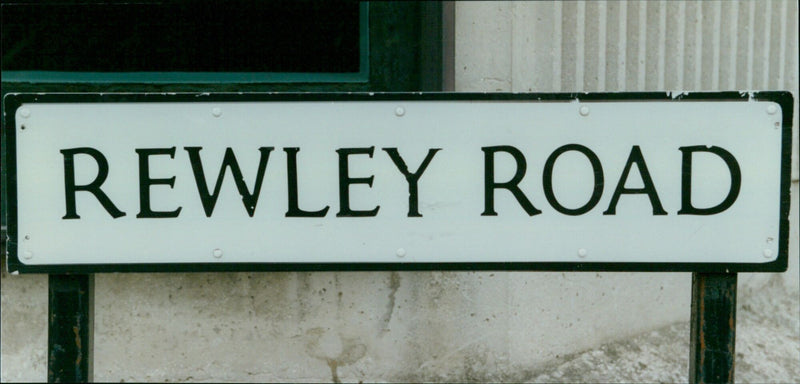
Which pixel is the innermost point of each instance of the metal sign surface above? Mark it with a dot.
(182, 182)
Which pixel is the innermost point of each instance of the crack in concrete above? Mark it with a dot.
(394, 285)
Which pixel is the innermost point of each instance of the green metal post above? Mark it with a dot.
(713, 328)
(69, 333)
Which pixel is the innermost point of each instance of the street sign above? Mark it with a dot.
(184, 182)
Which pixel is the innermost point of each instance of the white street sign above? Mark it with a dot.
(563, 183)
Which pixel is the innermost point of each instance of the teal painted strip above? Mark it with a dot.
(363, 65)
(362, 76)
(181, 77)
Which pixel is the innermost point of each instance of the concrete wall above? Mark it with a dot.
(437, 326)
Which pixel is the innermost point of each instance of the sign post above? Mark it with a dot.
(690, 182)
(713, 328)
(69, 329)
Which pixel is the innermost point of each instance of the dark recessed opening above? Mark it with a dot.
(182, 36)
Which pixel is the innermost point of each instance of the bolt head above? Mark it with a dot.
(401, 252)
(25, 112)
(582, 253)
(217, 253)
(217, 112)
(772, 109)
(584, 110)
(399, 111)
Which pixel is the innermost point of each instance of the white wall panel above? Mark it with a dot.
(626, 45)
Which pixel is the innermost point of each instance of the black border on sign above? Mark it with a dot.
(12, 101)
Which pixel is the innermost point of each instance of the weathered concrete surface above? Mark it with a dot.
(767, 348)
(23, 321)
(354, 326)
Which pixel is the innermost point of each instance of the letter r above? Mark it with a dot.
(94, 187)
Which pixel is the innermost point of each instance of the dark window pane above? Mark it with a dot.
(182, 36)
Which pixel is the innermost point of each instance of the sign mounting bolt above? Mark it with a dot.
(401, 252)
(25, 112)
(582, 253)
(584, 110)
(217, 253)
(399, 111)
(771, 109)
(767, 253)
(217, 112)
(27, 255)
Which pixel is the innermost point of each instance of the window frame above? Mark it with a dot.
(166, 77)
(404, 54)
